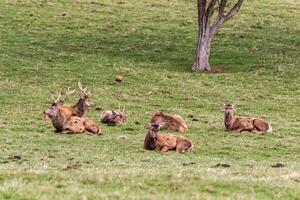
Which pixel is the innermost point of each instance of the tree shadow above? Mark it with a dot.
(161, 51)
(170, 51)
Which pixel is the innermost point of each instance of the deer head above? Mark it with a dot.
(154, 130)
(56, 103)
(85, 97)
(119, 116)
(52, 111)
(229, 109)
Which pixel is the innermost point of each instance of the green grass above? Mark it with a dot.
(53, 44)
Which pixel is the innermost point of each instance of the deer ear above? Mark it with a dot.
(233, 107)
(114, 112)
(222, 105)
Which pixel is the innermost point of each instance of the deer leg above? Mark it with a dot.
(89, 133)
(253, 131)
(57, 131)
(180, 150)
(182, 147)
(239, 130)
(164, 149)
(258, 132)
(67, 131)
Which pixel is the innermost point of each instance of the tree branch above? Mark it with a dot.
(222, 8)
(209, 13)
(234, 10)
(210, 8)
(202, 15)
(222, 17)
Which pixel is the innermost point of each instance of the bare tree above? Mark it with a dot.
(207, 28)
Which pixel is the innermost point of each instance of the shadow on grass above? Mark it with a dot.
(173, 51)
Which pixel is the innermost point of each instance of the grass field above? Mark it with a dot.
(52, 44)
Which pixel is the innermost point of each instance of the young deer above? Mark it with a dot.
(63, 122)
(241, 124)
(113, 117)
(165, 142)
(169, 122)
(82, 104)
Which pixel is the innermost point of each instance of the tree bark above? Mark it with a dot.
(202, 54)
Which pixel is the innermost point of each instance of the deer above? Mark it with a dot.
(63, 122)
(82, 104)
(114, 117)
(165, 142)
(169, 122)
(240, 124)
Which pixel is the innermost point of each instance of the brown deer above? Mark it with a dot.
(82, 104)
(241, 124)
(64, 123)
(169, 122)
(113, 117)
(165, 142)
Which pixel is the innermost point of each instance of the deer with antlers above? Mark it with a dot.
(240, 124)
(169, 122)
(165, 142)
(82, 104)
(65, 123)
(114, 117)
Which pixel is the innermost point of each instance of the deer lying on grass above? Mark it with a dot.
(64, 123)
(113, 117)
(169, 122)
(241, 124)
(165, 142)
(82, 104)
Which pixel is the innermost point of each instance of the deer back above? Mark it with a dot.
(106, 116)
(68, 110)
(168, 122)
(166, 140)
(74, 125)
(250, 124)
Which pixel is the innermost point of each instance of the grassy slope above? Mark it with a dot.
(50, 44)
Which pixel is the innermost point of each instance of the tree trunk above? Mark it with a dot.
(207, 29)
(202, 54)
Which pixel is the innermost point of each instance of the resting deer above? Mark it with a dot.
(82, 104)
(241, 124)
(63, 122)
(113, 117)
(165, 142)
(169, 122)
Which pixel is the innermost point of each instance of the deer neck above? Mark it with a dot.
(58, 121)
(228, 121)
(80, 107)
(150, 142)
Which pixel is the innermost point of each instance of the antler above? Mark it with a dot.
(68, 93)
(58, 97)
(60, 94)
(81, 88)
(123, 109)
